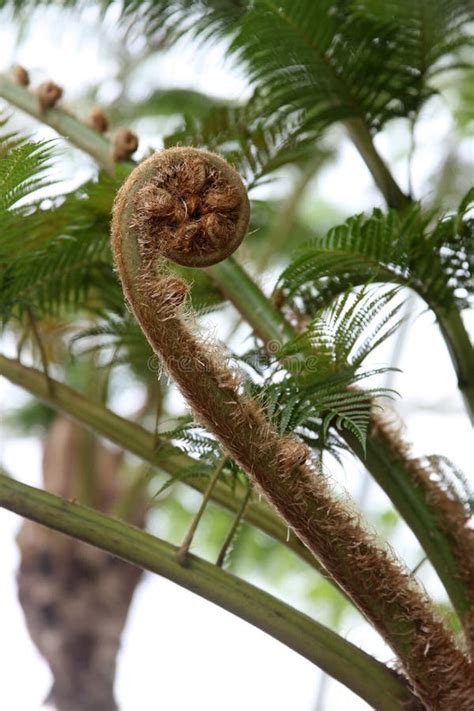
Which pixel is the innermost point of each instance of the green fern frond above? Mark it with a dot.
(254, 146)
(204, 18)
(401, 248)
(119, 340)
(58, 259)
(332, 350)
(431, 33)
(329, 60)
(207, 452)
(24, 165)
(22, 172)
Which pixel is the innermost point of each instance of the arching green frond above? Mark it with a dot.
(329, 60)
(57, 257)
(431, 32)
(437, 262)
(325, 367)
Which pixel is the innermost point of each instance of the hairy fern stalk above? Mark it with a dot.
(261, 423)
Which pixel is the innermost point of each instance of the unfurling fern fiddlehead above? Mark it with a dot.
(190, 207)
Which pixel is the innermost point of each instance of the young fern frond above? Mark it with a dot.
(150, 227)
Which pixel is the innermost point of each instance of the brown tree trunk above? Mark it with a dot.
(75, 597)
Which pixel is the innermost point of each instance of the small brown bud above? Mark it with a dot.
(97, 120)
(21, 76)
(48, 94)
(124, 144)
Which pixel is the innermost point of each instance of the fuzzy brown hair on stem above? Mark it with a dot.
(190, 206)
(48, 94)
(452, 515)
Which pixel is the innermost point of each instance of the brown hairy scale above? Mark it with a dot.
(124, 144)
(48, 94)
(97, 120)
(148, 225)
(21, 76)
(452, 515)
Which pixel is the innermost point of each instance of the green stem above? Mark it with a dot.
(135, 439)
(183, 550)
(76, 132)
(39, 342)
(413, 504)
(368, 678)
(461, 351)
(362, 139)
(233, 529)
(250, 301)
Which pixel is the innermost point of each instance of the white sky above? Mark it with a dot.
(179, 651)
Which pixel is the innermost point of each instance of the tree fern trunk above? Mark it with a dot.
(76, 598)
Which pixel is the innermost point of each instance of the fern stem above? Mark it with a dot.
(404, 483)
(39, 342)
(461, 351)
(362, 139)
(233, 529)
(183, 550)
(138, 441)
(237, 285)
(77, 133)
(368, 678)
